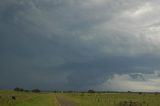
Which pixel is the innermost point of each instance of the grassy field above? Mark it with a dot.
(82, 99)
(27, 99)
(114, 99)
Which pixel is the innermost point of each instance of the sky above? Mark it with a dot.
(80, 44)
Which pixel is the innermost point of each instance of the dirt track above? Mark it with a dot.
(63, 102)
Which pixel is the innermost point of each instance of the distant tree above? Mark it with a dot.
(26, 90)
(129, 91)
(21, 89)
(140, 93)
(36, 90)
(16, 89)
(91, 91)
(55, 91)
(156, 93)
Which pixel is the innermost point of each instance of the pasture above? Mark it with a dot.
(114, 99)
(27, 99)
(80, 99)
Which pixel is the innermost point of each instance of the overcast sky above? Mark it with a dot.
(80, 44)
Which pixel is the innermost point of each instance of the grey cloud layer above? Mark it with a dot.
(72, 44)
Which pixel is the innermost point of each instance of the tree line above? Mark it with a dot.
(26, 90)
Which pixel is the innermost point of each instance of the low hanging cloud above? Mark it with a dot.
(134, 82)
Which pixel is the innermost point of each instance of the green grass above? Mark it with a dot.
(27, 99)
(83, 99)
(114, 99)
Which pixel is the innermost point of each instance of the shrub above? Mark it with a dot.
(91, 91)
(18, 89)
(26, 90)
(36, 90)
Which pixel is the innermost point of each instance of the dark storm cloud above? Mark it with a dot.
(58, 44)
(92, 73)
